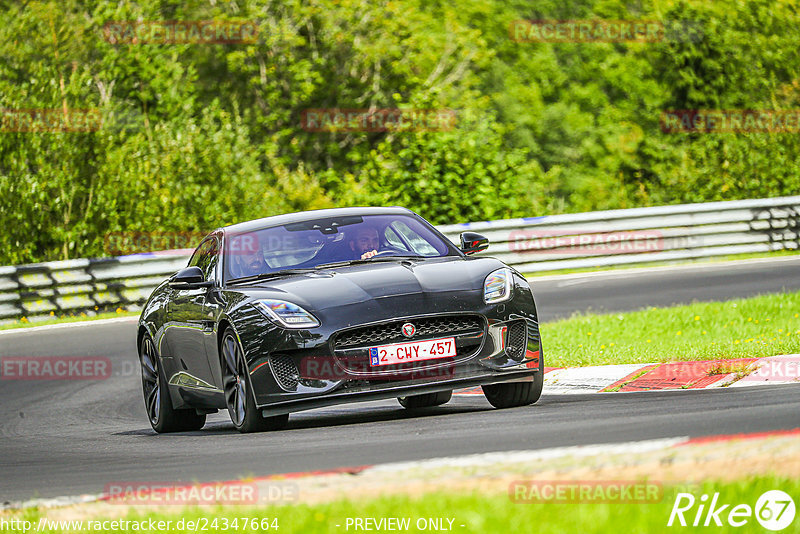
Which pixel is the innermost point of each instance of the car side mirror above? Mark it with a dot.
(189, 278)
(472, 243)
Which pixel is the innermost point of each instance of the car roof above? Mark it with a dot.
(288, 218)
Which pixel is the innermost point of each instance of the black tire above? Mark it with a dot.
(426, 400)
(157, 402)
(513, 394)
(239, 397)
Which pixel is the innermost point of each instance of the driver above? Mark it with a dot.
(248, 258)
(365, 243)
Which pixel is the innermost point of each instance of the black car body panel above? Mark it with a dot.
(358, 307)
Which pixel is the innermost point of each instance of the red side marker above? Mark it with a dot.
(730, 437)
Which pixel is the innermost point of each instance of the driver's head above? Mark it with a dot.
(365, 240)
(247, 251)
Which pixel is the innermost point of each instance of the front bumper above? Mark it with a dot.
(295, 379)
(294, 370)
(392, 390)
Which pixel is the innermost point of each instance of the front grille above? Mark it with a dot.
(516, 340)
(391, 332)
(351, 347)
(285, 371)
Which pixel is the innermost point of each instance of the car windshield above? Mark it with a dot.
(318, 242)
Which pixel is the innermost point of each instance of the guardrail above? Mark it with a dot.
(569, 241)
(641, 235)
(83, 285)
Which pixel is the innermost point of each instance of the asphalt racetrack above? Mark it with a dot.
(72, 437)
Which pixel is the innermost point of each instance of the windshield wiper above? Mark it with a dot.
(346, 263)
(267, 276)
(397, 257)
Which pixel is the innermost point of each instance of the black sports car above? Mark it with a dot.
(311, 309)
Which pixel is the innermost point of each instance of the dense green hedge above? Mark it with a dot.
(200, 135)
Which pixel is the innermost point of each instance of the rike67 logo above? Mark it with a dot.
(774, 510)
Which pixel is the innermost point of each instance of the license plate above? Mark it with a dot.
(415, 351)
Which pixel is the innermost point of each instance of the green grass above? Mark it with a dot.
(489, 513)
(26, 323)
(724, 368)
(720, 259)
(755, 327)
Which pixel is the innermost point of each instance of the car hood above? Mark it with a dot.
(343, 286)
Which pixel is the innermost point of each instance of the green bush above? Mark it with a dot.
(195, 136)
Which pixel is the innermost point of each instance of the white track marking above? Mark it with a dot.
(587, 379)
(77, 324)
(489, 458)
(574, 277)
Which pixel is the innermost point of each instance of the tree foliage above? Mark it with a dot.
(195, 136)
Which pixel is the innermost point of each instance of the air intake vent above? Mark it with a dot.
(516, 341)
(285, 371)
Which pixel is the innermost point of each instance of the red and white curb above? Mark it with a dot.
(704, 374)
(587, 379)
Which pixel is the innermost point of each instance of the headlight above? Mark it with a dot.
(286, 314)
(497, 286)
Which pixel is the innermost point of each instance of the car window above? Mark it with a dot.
(307, 244)
(205, 257)
(393, 239)
(416, 243)
(284, 248)
(196, 255)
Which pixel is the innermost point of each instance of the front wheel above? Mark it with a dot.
(163, 417)
(245, 415)
(426, 400)
(513, 394)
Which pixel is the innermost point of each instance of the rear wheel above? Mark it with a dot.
(163, 417)
(512, 394)
(245, 415)
(426, 400)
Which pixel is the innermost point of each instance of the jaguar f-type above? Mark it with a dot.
(306, 310)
